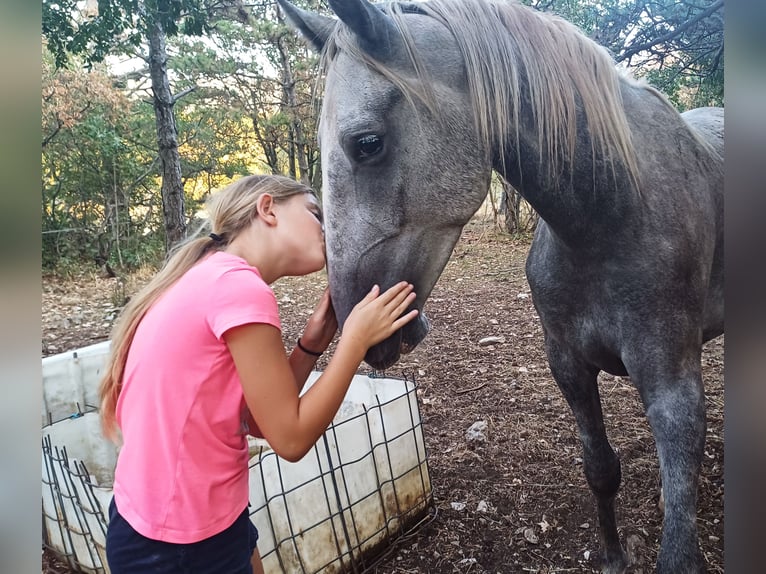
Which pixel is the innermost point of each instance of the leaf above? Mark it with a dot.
(530, 536)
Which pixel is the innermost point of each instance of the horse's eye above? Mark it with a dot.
(368, 145)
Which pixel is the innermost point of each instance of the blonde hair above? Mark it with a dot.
(230, 212)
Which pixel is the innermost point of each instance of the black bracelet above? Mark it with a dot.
(305, 350)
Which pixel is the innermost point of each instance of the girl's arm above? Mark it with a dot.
(317, 335)
(301, 366)
(291, 424)
(319, 332)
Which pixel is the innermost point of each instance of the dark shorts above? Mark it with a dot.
(227, 552)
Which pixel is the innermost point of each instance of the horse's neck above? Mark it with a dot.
(582, 200)
(572, 202)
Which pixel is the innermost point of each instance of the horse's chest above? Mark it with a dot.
(577, 308)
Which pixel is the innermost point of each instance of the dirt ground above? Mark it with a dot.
(517, 502)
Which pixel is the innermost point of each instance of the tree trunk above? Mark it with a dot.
(315, 171)
(509, 207)
(291, 153)
(268, 146)
(167, 139)
(518, 216)
(297, 139)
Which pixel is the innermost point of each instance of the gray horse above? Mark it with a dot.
(423, 100)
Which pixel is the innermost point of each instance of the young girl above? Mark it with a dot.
(197, 362)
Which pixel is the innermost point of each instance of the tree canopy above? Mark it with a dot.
(677, 45)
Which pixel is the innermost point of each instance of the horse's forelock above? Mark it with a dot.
(504, 45)
(414, 82)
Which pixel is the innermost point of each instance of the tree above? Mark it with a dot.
(119, 25)
(94, 164)
(677, 45)
(262, 70)
(519, 217)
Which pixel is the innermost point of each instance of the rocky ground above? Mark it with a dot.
(517, 501)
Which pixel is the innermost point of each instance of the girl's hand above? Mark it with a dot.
(321, 326)
(378, 316)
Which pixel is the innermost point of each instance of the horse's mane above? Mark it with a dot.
(505, 46)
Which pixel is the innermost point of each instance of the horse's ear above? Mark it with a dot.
(375, 32)
(312, 26)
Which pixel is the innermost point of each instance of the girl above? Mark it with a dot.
(197, 362)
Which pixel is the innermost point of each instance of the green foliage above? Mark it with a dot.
(94, 36)
(677, 46)
(688, 91)
(97, 199)
(261, 72)
(100, 188)
(118, 26)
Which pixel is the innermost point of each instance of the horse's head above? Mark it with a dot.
(403, 168)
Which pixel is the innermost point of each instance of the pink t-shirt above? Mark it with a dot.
(182, 472)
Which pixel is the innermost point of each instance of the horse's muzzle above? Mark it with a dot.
(386, 353)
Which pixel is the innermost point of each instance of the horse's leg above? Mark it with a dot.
(578, 383)
(675, 408)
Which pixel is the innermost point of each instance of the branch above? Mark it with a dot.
(180, 95)
(59, 125)
(633, 50)
(151, 170)
(64, 230)
(717, 60)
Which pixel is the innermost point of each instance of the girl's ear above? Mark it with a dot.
(264, 209)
